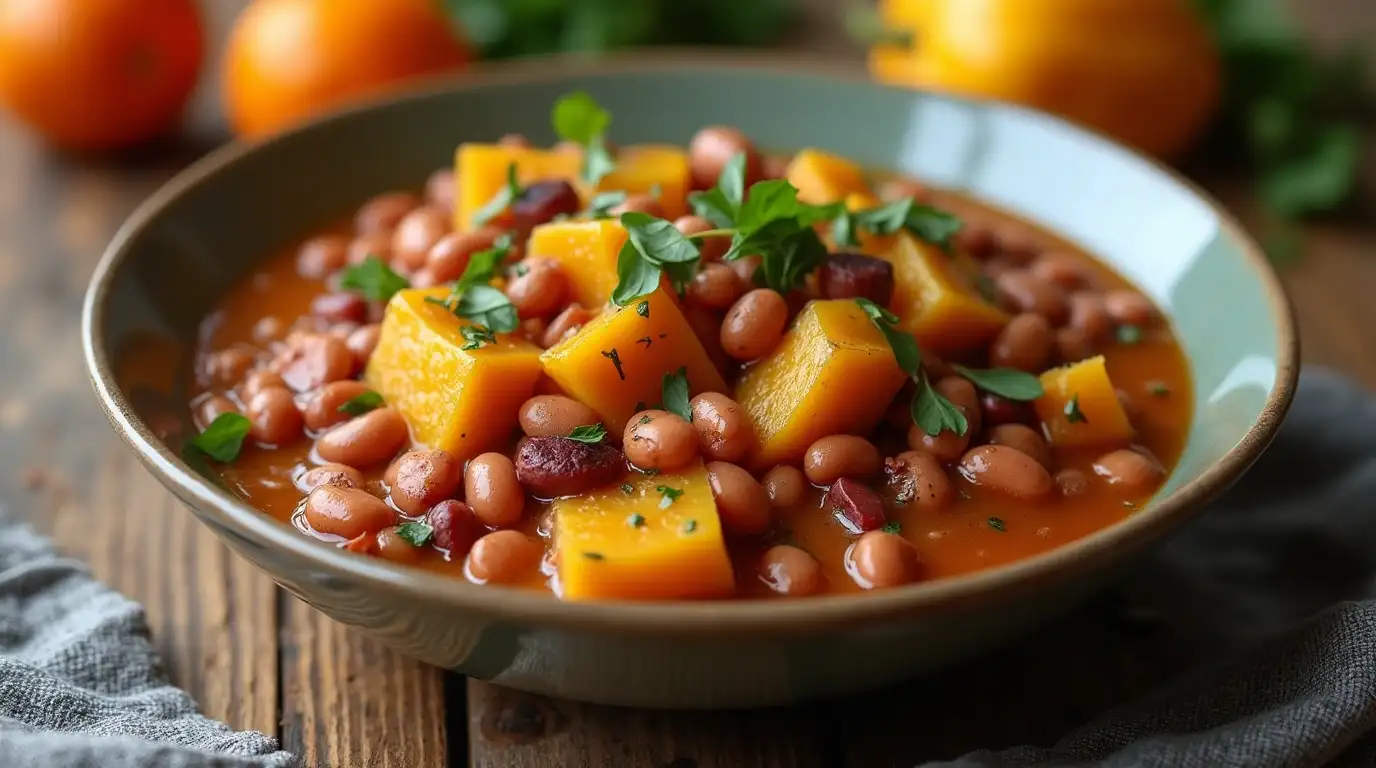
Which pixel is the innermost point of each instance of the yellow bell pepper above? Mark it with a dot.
(1145, 72)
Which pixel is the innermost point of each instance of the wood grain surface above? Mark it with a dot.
(257, 658)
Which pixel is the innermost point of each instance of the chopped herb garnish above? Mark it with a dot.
(675, 394)
(1009, 383)
(930, 409)
(997, 524)
(651, 472)
(927, 223)
(522, 270)
(589, 433)
(594, 556)
(488, 306)
(893, 526)
(482, 266)
(646, 340)
(643, 309)
(627, 488)
(615, 357)
(501, 201)
(476, 336)
(360, 405)
(988, 289)
(636, 520)
(577, 117)
(654, 247)
(689, 526)
(416, 534)
(644, 419)
(1072, 411)
(601, 205)
(224, 438)
(670, 495)
(1129, 334)
(1158, 389)
(373, 280)
(722, 203)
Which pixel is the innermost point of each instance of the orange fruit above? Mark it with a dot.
(287, 60)
(98, 74)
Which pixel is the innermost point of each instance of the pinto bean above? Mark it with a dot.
(211, 407)
(392, 547)
(1023, 438)
(741, 501)
(880, 560)
(551, 467)
(853, 503)
(713, 147)
(417, 233)
(1061, 269)
(384, 212)
(566, 324)
(791, 571)
(503, 557)
(491, 489)
(745, 269)
(963, 394)
(1020, 291)
(273, 417)
(836, 456)
(917, 479)
(554, 416)
(320, 256)
(854, 275)
(376, 244)
(418, 480)
(541, 291)
(365, 440)
(1006, 470)
(1128, 469)
(1089, 316)
(258, 380)
(710, 249)
(754, 325)
(227, 366)
(269, 329)
(659, 440)
(786, 486)
(312, 360)
(322, 406)
(328, 474)
(1129, 307)
(1072, 345)
(449, 256)
(339, 307)
(1072, 483)
(638, 204)
(347, 512)
(714, 287)
(1025, 343)
(542, 201)
(946, 446)
(724, 429)
(362, 341)
(455, 526)
(440, 189)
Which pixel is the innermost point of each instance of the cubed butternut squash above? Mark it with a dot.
(1080, 406)
(936, 302)
(457, 400)
(833, 373)
(480, 170)
(616, 364)
(822, 177)
(650, 169)
(587, 252)
(638, 542)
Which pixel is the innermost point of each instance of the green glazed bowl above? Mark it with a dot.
(209, 226)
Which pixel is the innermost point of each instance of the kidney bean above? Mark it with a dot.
(210, 407)
(418, 480)
(541, 291)
(946, 446)
(449, 256)
(742, 502)
(713, 147)
(363, 441)
(268, 329)
(532, 329)
(328, 474)
(745, 269)
(855, 505)
(320, 256)
(384, 212)
(1000, 410)
(786, 486)
(1006, 470)
(1019, 291)
(347, 512)
(917, 479)
(791, 571)
(417, 233)
(1024, 439)
(836, 456)
(724, 429)
(1017, 243)
(551, 467)
(339, 307)
(312, 360)
(377, 244)
(659, 440)
(362, 341)
(455, 526)
(566, 324)
(1061, 269)
(963, 394)
(1128, 468)
(977, 240)
(540, 202)
(710, 249)
(1129, 307)
(1072, 345)
(440, 189)
(936, 368)
(258, 380)
(393, 548)
(639, 204)
(503, 557)
(854, 275)
(492, 491)
(714, 287)
(273, 417)
(1089, 316)
(1025, 343)
(754, 325)
(880, 560)
(1072, 483)
(228, 366)
(554, 416)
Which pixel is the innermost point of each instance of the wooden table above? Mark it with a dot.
(257, 658)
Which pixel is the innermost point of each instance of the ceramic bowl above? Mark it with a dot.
(209, 226)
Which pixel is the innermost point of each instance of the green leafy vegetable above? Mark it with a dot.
(500, 201)
(488, 306)
(1129, 334)
(1158, 389)
(482, 266)
(1004, 382)
(669, 495)
(643, 309)
(653, 247)
(368, 401)
(590, 433)
(577, 117)
(417, 534)
(722, 204)
(904, 346)
(636, 276)
(1072, 411)
(373, 279)
(934, 413)
(636, 520)
(675, 394)
(223, 438)
(689, 526)
(997, 524)
(602, 203)
(893, 526)
(476, 337)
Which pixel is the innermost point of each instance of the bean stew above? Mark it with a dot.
(657, 373)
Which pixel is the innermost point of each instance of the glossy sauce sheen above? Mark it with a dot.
(978, 531)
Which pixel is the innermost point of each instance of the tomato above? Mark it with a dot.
(287, 60)
(98, 74)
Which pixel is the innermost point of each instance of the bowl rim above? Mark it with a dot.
(952, 594)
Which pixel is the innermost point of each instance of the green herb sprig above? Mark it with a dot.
(500, 202)
(927, 223)
(373, 280)
(363, 403)
(223, 438)
(577, 117)
(930, 409)
(471, 298)
(590, 433)
(674, 392)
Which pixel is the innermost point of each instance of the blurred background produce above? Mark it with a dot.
(1195, 82)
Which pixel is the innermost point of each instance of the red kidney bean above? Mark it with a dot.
(540, 202)
(854, 275)
(455, 526)
(551, 467)
(855, 505)
(1000, 410)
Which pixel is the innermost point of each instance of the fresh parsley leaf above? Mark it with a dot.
(500, 201)
(722, 203)
(1158, 389)
(373, 279)
(603, 202)
(636, 276)
(885, 219)
(675, 394)
(488, 306)
(223, 438)
(417, 534)
(643, 309)
(997, 524)
(482, 266)
(636, 520)
(1129, 334)
(843, 230)
(669, 495)
(590, 433)
(597, 162)
(368, 401)
(933, 413)
(689, 526)
(476, 337)
(1072, 411)
(654, 247)
(627, 488)
(893, 526)
(577, 117)
(1009, 383)
(935, 226)
(658, 240)
(904, 346)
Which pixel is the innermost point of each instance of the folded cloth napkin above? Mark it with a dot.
(80, 685)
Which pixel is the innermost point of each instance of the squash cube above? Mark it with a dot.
(463, 401)
(936, 302)
(834, 372)
(1080, 406)
(823, 178)
(587, 252)
(634, 542)
(650, 168)
(616, 364)
(480, 170)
